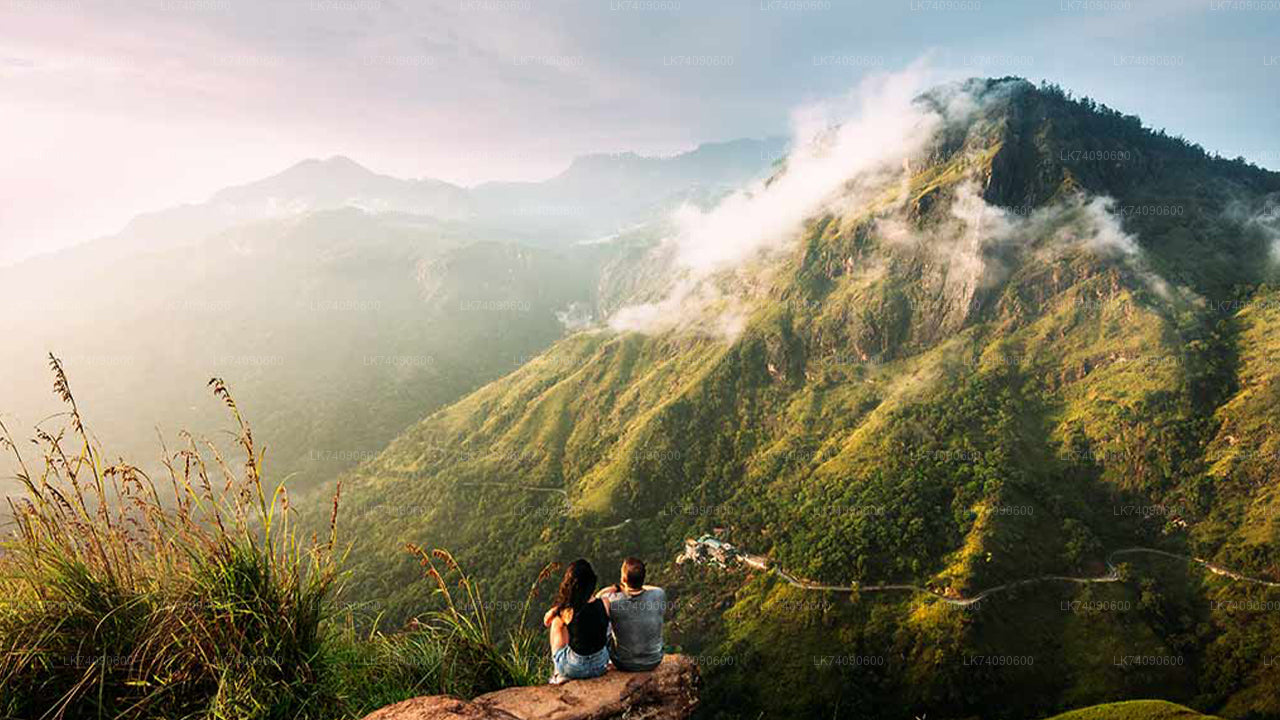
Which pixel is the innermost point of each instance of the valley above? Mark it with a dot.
(984, 371)
(992, 330)
(857, 587)
(341, 304)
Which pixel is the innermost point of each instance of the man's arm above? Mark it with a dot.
(606, 590)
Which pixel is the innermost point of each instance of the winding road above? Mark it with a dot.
(1112, 574)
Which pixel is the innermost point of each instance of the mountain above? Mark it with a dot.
(726, 164)
(596, 195)
(309, 186)
(1026, 367)
(337, 181)
(341, 182)
(600, 194)
(341, 305)
(336, 329)
(1134, 710)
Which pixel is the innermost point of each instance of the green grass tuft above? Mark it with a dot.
(121, 599)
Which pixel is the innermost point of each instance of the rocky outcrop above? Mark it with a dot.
(668, 693)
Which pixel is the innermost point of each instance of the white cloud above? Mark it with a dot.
(1266, 221)
(835, 156)
(855, 163)
(845, 151)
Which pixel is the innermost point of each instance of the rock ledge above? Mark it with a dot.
(668, 693)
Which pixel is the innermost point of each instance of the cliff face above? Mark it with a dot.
(668, 693)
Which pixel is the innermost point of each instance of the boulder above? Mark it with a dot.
(669, 692)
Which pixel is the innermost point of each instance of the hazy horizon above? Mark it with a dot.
(114, 109)
(206, 195)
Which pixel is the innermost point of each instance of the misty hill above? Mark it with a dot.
(309, 186)
(336, 329)
(340, 304)
(337, 181)
(1000, 349)
(597, 194)
(1134, 710)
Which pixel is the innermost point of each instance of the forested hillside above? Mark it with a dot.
(1047, 337)
(344, 305)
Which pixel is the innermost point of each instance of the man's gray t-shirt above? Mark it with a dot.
(637, 628)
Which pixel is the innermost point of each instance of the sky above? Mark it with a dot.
(108, 109)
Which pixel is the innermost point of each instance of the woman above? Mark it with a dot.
(579, 626)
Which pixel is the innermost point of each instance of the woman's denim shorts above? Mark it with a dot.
(580, 667)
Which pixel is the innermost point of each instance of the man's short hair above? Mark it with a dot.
(633, 572)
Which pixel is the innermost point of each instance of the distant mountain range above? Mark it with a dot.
(340, 304)
(599, 194)
(595, 195)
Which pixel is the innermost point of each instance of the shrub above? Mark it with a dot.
(199, 598)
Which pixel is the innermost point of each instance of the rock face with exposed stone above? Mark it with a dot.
(669, 692)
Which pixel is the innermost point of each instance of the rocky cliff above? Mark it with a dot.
(668, 693)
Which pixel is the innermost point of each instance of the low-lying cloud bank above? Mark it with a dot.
(849, 149)
(984, 239)
(854, 151)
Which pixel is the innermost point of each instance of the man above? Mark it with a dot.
(635, 613)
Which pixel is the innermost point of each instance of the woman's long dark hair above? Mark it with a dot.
(577, 586)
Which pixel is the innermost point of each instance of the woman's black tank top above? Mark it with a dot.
(589, 629)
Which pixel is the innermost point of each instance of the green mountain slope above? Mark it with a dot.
(337, 329)
(341, 305)
(1009, 366)
(1132, 710)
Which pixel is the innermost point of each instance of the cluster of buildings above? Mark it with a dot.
(710, 550)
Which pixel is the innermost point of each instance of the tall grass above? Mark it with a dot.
(198, 597)
(463, 627)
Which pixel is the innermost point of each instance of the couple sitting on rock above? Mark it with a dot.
(622, 623)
